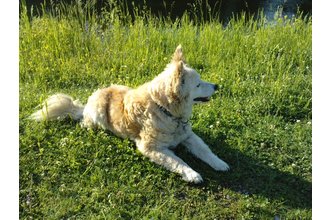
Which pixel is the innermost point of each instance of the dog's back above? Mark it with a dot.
(105, 109)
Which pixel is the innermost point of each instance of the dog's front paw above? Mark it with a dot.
(192, 176)
(220, 165)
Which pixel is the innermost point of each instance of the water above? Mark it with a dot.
(225, 8)
(281, 8)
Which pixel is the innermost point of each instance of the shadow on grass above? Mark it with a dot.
(248, 176)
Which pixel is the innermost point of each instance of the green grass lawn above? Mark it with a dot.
(260, 122)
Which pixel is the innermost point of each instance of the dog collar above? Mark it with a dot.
(169, 114)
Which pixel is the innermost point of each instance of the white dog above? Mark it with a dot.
(155, 115)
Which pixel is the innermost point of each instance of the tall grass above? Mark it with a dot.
(260, 121)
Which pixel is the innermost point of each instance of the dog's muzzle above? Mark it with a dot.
(206, 99)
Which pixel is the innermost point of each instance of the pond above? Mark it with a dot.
(225, 9)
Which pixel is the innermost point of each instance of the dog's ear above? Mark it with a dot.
(178, 73)
(178, 54)
(176, 82)
(180, 67)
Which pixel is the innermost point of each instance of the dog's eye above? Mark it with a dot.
(198, 85)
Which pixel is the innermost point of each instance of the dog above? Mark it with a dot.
(155, 115)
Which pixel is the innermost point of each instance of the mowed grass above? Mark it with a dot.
(260, 121)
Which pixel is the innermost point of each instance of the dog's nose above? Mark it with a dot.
(216, 87)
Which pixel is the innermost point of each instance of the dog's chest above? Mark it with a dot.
(181, 128)
(167, 130)
(178, 133)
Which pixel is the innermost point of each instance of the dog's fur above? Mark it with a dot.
(155, 115)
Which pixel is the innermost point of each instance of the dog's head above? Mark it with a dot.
(178, 87)
(187, 83)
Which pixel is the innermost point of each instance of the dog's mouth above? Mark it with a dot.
(202, 99)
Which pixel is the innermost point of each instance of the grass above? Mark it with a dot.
(260, 121)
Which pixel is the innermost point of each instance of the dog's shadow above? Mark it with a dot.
(247, 175)
(250, 176)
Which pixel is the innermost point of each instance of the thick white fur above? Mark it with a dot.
(59, 106)
(155, 115)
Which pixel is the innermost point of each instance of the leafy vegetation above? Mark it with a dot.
(259, 122)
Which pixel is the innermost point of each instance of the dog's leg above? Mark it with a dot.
(197, 147)
(170, 161)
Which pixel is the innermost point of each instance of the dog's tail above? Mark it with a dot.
(59, 106)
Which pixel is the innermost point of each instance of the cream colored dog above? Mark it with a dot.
(155, 115)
